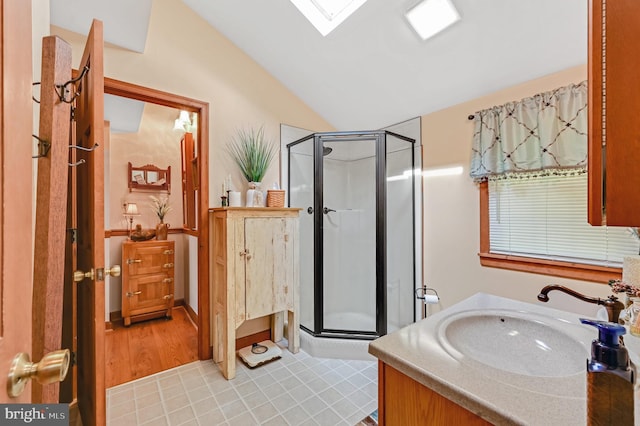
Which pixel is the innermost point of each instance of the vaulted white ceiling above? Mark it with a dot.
(373, 70)
(126, 22)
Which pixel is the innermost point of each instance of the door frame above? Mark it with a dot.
(145, 94)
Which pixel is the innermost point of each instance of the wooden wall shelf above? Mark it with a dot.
(149, 178)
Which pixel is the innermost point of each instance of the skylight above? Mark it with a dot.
(326, 15)
(429, 17)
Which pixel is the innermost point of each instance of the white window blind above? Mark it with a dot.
(546, 217)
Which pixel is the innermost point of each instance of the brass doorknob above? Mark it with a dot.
(79, 275)
(53, 367)
(114, 271)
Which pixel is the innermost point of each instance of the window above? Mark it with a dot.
(326, 15)
(539, 224)
(430, 17)
(530, 159)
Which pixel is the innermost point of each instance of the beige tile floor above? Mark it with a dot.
(297, 389)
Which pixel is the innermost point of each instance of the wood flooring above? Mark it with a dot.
(149, 347)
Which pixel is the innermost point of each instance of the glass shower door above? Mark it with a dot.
(348, 235)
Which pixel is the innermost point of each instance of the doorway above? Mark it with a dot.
(159, 110)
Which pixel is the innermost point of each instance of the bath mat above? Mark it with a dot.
(260, 353)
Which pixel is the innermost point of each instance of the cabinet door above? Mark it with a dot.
(148, 259)
(614, 102)
(407, 402)
(269, 265)
(149, 293)
(147, 279)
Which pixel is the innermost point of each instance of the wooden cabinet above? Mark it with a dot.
(403, 401)
(614, 102)
(147, 279)
(254, 273)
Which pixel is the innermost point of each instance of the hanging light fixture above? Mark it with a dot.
(183, 122)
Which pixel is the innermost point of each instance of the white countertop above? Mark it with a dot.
(495, 395)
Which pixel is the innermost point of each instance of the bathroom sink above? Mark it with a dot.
(519, 342)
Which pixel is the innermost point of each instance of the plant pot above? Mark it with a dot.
(162, 230)
(255, 196)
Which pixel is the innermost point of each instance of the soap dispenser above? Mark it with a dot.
(610, 377)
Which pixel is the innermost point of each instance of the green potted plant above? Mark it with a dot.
(253, 154)
(160, 206)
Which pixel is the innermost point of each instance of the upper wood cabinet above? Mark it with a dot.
(614, 109)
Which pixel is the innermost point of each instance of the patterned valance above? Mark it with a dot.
(543, 133)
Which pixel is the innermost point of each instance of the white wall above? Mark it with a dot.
(154, 143)
(451, 210)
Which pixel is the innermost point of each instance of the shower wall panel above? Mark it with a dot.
(400, 242)
(301, 195)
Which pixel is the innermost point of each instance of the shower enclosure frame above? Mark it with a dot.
(380, 137)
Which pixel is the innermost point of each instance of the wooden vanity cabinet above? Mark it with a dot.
(614, 103)
(254, 273)
(147, 279)
(404, 401)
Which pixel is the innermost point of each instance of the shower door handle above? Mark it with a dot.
(327, 210)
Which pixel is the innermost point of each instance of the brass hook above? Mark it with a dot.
(77, 163)
(43, 147)
(82, 148)
(37, 83)
(62, 90)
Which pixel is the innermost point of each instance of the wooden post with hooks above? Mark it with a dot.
(51, 209)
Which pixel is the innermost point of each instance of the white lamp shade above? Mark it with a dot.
(132, 209)
(184, 117)
(183, 122)
(177, 125)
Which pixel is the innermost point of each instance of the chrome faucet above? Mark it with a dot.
(611, 304)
